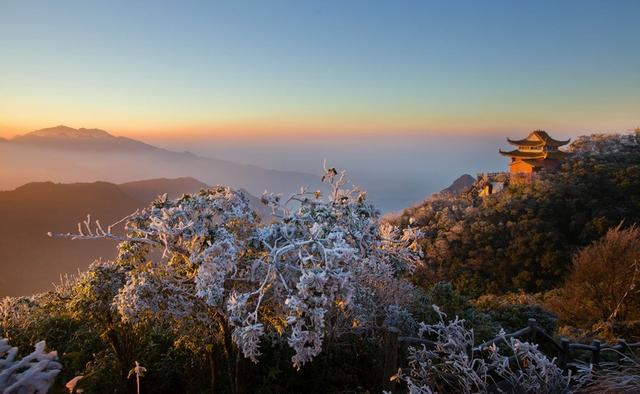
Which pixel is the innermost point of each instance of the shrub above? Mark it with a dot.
(622, 377)
(513, 310)
(452, 365)
(602, 287)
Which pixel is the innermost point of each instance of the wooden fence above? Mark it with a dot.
(565, 349)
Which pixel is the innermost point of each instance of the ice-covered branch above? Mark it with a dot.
(33, 373)
(88, 230)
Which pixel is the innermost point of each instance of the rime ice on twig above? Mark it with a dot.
(93, 230)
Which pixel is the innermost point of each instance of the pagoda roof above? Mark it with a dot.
(540, 155)
(538, 138)
(525, 142)
(524, 155)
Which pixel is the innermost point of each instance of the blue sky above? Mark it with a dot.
(212, 68)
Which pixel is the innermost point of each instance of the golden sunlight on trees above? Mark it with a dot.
(602, 287)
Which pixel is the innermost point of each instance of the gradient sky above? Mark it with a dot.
(176, 68)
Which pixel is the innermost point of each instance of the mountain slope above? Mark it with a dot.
(64, 154)
(459, 186)
(32, 261)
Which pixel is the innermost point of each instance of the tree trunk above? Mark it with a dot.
(228, 350)
(212, 368)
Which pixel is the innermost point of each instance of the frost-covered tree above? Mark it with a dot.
(598, 144)
(325, 267)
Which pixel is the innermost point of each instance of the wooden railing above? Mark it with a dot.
(481, 175)
(564, 348)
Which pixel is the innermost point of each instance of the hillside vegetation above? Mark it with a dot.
(523, 237)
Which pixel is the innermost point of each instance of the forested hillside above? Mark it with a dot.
(523, 237)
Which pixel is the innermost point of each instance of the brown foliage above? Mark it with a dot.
(602, 286)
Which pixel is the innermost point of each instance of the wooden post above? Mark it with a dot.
(533, 326)
(390, 366)
(564, 352)
(595, 354)
(211, 356)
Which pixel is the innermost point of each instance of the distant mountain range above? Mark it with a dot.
(31, 261)
(65, 154)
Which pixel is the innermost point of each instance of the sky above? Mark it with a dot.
(405, 95)
(256, 70)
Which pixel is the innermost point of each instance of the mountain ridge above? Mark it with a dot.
(64, 154)
(67, 138)
(63, 131)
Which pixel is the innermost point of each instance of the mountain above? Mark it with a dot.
(68, 132)
(67, 138)
(65, 154)
(31, 261)
(459, 186)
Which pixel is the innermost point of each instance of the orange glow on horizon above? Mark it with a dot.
(288, 129)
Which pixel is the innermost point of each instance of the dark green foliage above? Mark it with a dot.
(453, 304)
(85, 344)
(351, 363)
(512, 311)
